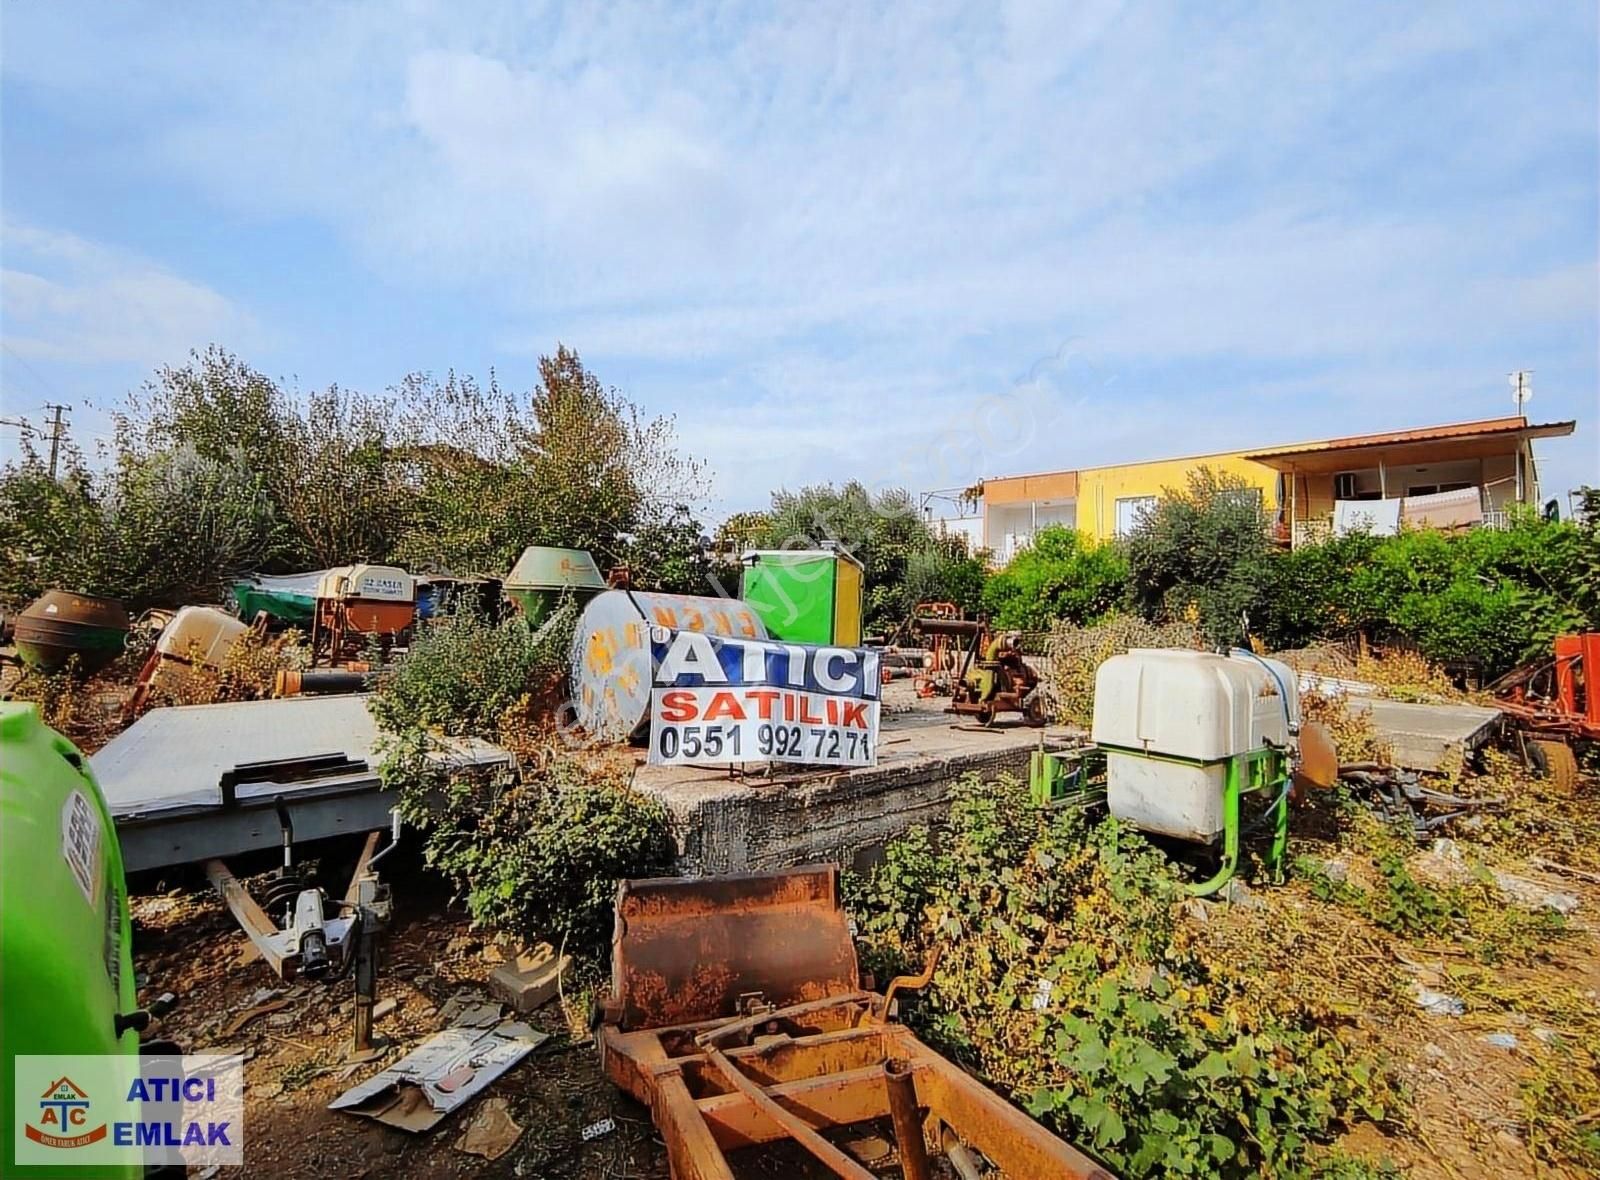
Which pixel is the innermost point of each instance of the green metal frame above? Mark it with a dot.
(1056, 777)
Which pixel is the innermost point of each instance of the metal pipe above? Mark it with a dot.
(897, 1080)
(960, 1156)
(290, 682)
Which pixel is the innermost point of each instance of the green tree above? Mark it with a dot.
(52, 531)
(881, 531)
(1202, 553)
(1061, 575)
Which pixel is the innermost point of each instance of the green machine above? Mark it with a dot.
(544, 573)
(66, 961)
(805, 595)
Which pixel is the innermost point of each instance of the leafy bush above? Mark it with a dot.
(1067, 981)
(1203, 554)
(944, 571)
(539, 857)
(1486, 597)
(1061, 576)
(1076, 654)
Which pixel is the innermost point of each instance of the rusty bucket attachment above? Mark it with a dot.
(687, 949)
(737, 1015)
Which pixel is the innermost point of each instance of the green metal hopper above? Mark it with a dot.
(544, 573)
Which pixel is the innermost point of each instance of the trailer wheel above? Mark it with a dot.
(1555, 761)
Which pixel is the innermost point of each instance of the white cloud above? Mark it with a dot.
(841, 226)
(63, 298)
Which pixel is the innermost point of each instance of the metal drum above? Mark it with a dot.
(60, 625)
(611, 651)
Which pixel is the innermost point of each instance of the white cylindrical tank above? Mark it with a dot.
(611, 651)
(1170, 721)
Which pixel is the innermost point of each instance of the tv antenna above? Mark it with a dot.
(1522, 387)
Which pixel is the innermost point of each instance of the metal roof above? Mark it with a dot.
(1512, 425)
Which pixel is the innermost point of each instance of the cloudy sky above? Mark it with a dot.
(916, 244)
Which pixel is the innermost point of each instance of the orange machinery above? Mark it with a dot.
(1554, 703)
(739, 1016)
(356, 604)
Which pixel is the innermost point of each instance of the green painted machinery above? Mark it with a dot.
(805, 595)
(66, 963)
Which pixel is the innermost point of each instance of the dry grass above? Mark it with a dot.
(1075, 653)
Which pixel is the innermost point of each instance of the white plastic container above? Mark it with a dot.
(1155, 705)
(197, 637)
(200, 635)
(611, 651)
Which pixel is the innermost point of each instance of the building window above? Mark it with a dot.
(1131, 510)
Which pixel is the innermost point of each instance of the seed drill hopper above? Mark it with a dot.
(739, 1016)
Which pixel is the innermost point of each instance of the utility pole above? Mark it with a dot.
(58, 431)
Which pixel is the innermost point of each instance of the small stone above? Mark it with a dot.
(163, 1004)
(282, 1019)
(317, 1030)
(383, 1007)
(1501, 1040)
(268, 1090)
(1437, 1003)
(1546, 1036)
(1240, 894)
(1508, 1140)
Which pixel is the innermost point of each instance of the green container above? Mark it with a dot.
(544, 573)
(805, 595)
(66, 946)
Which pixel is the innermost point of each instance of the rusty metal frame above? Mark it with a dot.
(723, 1067)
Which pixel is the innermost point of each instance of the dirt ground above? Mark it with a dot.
(1464, 1090)
(187, 944)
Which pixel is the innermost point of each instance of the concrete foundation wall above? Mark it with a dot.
(847, 819)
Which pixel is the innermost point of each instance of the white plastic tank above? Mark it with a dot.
(200, 635)
(1152, 706)
(611, 651)
(197, 637)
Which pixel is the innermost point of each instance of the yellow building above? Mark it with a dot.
(1301, 485)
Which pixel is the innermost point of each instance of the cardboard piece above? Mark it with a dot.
(439, 1076)
(492, 1131)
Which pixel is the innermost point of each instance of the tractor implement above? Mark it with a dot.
(738, 1015)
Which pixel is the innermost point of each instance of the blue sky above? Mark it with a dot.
(915, 245)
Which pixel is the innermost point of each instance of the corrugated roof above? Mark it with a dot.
(1514, 424)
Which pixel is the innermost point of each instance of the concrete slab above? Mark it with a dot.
(754, 823)
(1429, 737)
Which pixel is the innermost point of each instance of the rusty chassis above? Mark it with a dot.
(738, 1016)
